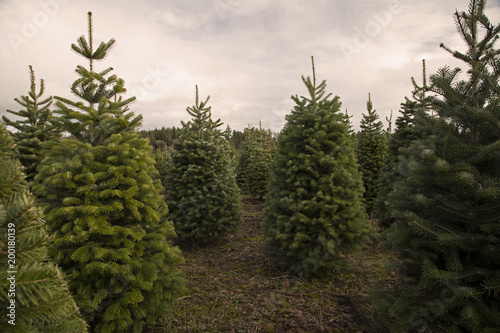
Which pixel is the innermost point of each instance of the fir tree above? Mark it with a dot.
(202, 193)
(237, 139)
(404, 133)
(372, 147)
(388, 131)
(254, 161)
(447, 204)
(257, 175)
(163, 157)
(243, 160)
(399, 141)
(33, 128)
(38, 297)
(103, 208)
(314, 212)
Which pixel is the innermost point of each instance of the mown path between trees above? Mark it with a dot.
(232, 287)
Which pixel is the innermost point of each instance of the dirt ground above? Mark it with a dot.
(232, 287)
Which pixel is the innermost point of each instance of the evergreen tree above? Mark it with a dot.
(401, 139)
(388, 131)
(34, 126)
(163, 158)
(372, 147)
(237, 139)
(314, 211)
(38, 296)
(261, 156)
(254, 161)
(348, 122)
(243, 160)
(202, 193)
(103, 208)
(447, 203)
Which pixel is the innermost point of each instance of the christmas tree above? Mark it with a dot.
(398, 143)
(33, 128)
(103, 205)
(400, 140)
(33, 293)
(202, 193)
(372, 147)
(254, 161)
(314, 212)
(446, 205)
(162, 158)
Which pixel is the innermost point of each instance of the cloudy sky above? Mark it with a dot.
(248, 55)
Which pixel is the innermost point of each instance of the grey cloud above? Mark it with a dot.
(248, 55)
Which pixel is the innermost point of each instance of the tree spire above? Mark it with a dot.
(314, 71)
(90, 40)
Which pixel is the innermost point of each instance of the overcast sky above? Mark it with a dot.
(248, 55)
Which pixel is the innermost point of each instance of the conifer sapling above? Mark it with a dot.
(372, 147)
(202, 193)
(314, 214)
(33, 127)
(104, 209)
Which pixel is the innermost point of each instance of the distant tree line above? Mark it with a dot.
(165, 137)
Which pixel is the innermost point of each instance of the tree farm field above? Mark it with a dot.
(233, 287)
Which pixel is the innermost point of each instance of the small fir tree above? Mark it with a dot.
(237, 139)
(314, 211)
(447, 203)
(254, 161)
(202, 193)
(243, 159)
(33, 127)
(37, 299)
(372, 147)
(104, 208)
(163, 158)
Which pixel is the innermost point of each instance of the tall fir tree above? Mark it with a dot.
(201, 188)
(447, 204)
(33, 293)
(33, 127)
(372, 148)
(103, 207)
(399, 141)
(314, 213)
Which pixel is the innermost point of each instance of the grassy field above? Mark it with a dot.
(232, 287)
